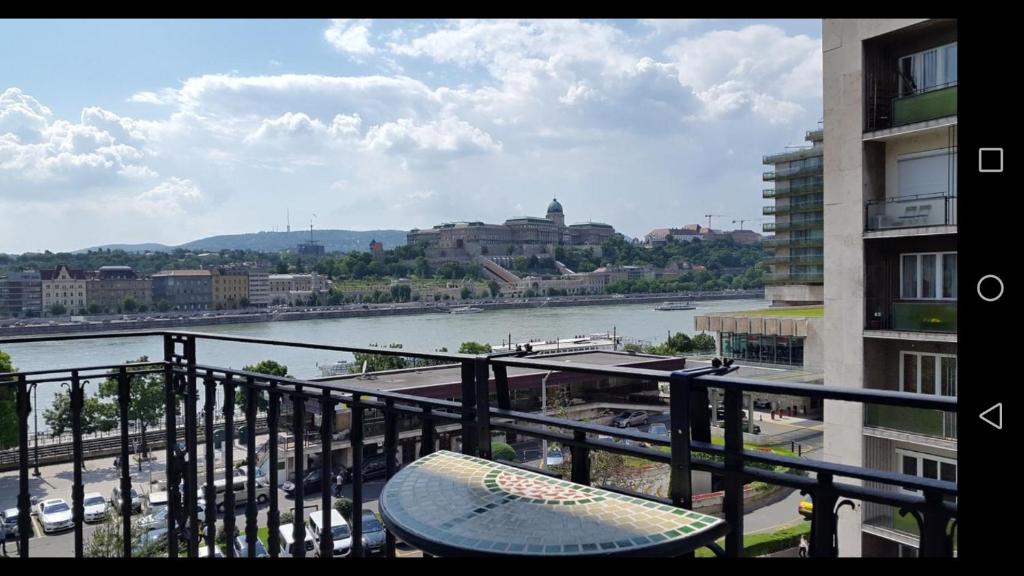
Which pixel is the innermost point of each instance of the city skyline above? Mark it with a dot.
(168, 131)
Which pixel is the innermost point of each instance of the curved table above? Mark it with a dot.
(450, 504)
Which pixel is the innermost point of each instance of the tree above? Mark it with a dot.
(94, 308)
(58, 309)
(147, 397)
(129, 305)
(344, 507)
(58, 415)
(8, 405)
(243, 303)
(502, 451)
(268, 367)
(465, 292)
(494, 288)
(703, 341)
(474, 348)
(379, 362)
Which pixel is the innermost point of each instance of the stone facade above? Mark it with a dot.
(112, 285)
(65, 287)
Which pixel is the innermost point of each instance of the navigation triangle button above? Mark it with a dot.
(994, 416)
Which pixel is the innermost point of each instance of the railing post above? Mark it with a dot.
(391, 453)
(469, 433)
(210, 387)
(935, 541)
(680, 485)
(170, 433)
(273, 515)
(299, 432)
(24, 501)
(483, 407)
(123, 399)
(580, 459)
(326, 413)
(191, 451)
(503, 394)
(427, 433)
(77, 489)
(733, 502)
(251, 528)
(356, 436)
(229, 464)
(823, 518)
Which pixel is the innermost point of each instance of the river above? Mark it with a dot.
(424, 333)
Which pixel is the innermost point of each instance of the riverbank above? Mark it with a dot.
(140, 321)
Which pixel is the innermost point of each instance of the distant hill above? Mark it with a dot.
(333, 241)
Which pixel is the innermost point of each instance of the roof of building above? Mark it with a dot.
(51, 274)
(590, 224)
(555, 206)
(164, 273)
(529, 220)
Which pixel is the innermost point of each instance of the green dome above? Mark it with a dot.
(554, 206)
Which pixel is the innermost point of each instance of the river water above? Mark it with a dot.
(424, 333)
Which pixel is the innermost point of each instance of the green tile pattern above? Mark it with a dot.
(479, 505)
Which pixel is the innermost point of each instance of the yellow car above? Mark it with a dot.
(806, 508)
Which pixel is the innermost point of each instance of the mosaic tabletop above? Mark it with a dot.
(453, 504)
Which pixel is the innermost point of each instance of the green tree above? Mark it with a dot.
(474, 348)
(703, 342)
(146, 397)
(379, 362)
(268, 367)
(58, 415)
(465, 292)
(502, 451)
(8, 405)
(129, 305)
(344, 507)
(494, 288)
(58, 309)
(94, 308)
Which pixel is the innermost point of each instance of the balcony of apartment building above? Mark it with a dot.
(486, 504)
(911, 288)
(803, 186)
(910, 80)
(794, 224)
(796, 168)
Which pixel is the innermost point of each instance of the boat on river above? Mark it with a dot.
(667, 306)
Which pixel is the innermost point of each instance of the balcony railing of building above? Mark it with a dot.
(911, 212)
(800, 225)
(799, 208)
(689, 443)
(912, 315)
(797, 189)
(792, 172)
(795, 278)
(768, 193)
(790, 242)
(768, 210)
(934, 423)
(885, 111)
(814, 135)
(791, 155)
(804, 259)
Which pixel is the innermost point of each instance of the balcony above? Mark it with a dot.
(194, 387)
(796, 260)
(768, 193)
(925, 106)
(799, 208)
(768, 210)
(795, 278)
(768, 227)
(934, 423)
(815, 135)
(801, 225)
(788, 242)
(792, 172)
(911, 212)
(802, 189)
(791, 155)
(924, 316)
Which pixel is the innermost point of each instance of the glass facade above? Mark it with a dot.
(787, 350)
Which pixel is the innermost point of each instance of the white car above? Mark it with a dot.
(55, 515)
(155, 501)
(204, 552)
(94, 507)
(341, 534)
(555, 457)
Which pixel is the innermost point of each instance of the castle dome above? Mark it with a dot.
(554, 206)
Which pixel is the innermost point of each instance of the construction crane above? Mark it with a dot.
(742, 220)
(710, 216)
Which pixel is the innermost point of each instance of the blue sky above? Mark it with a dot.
(169, 130)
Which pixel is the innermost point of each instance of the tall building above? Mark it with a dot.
(797, 266)
(183, 290)
(890, 141)
(111, 286)
(65, 287)
(230, 288)
(21, 294)
(259, 285)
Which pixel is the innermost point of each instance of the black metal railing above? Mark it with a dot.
(689, 442)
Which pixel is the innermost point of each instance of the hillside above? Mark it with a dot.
(333, 241)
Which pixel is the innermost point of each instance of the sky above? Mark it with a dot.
(129, 131)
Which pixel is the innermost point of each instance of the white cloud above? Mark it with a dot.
(171, 197)
(449, 136)
(352, 38)
(163, 98)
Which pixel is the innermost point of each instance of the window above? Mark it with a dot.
(928, 276)
(927, 466)
(927, 173)
(928, 70)
(933, 374)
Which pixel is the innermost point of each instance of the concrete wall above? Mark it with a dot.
(845, 183)
(794, 294)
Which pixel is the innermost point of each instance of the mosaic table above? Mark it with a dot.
(450, 504)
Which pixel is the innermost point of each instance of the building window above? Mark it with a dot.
(927, 466)
(928, 70)
(927, 173)
(928, 276)
(932, 374)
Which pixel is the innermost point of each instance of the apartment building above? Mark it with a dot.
(230, 288)
(183, 290)
(797, 253)
(113, 288)
(890, 256)
(64, 287)
(21, 294)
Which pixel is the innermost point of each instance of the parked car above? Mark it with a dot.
(373, 467)
(340, 534)
(555, 457)
(95, 507)
(311, 483)
(152, 542)
(155, 501)
(288, 543)
(630, 418)
(9, 518)
(806, 507)
(658, 428)
(756, 429)
(762, 404)
(204, 552)
(373, 534)
(155, 519)
(54, 515)
(242, 548)
(115, 498)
